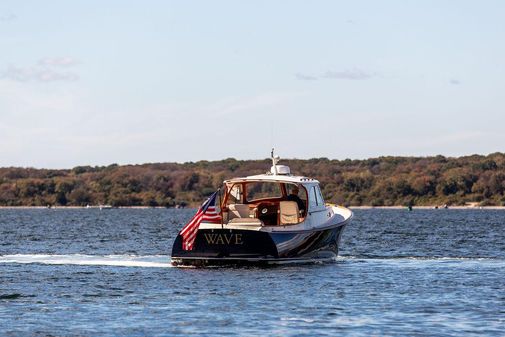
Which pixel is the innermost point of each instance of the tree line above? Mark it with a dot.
(383, 181)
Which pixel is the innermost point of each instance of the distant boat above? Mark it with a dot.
(262, 220)
(105, 207)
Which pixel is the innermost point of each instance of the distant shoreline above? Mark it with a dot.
(159, 207)
(468, 181)
(428, 207)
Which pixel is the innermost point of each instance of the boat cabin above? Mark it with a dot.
(271, 199)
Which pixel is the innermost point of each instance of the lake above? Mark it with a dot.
(86, 272)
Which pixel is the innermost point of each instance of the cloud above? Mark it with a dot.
(26, 74)
(8, 17)
(58, 61)
(354, 74)
(454, 81)
(303, 77)
(246, 105)
(46, 70)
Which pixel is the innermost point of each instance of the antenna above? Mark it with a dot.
(275, 160)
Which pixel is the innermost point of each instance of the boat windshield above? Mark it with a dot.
(263, 190)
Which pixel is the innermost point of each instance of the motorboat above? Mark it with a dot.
(271, 218)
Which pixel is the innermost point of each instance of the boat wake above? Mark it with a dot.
(426, 260)
(163, 261)
(154, 261)
(418, 258)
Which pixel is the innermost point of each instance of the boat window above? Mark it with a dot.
(235, 194)
(316, 201)
(262, 190)
(320, 198)
(313, 195)
(297, 193)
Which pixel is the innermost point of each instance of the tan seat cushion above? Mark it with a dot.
(238, 211)
(288, 213)
(246, 221)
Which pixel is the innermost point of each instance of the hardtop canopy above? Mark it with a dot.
(274, 178)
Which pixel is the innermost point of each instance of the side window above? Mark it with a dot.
(235, 195)
(313, 196)
(320, 199)
(316, 200)
(295, 189)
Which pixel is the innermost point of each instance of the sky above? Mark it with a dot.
(131, 82)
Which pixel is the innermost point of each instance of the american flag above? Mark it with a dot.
(206, 212)
(211, 215)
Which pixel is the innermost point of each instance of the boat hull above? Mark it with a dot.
(250, 247)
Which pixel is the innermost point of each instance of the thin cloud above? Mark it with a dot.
(58, 61)
(36, 73)
(454, 81)
(8, 17)
(249, 104)
(354, 74)
(303, 77)
(45, 70)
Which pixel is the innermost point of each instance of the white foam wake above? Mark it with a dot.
(419, 260)
(154, 261)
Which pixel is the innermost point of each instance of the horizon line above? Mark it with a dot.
(261, 159)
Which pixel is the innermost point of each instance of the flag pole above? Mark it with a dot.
(221, 207)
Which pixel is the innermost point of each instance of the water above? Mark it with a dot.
(91, 272)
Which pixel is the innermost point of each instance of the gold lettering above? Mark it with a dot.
(228, 238)
(221, 239)
(210, 238)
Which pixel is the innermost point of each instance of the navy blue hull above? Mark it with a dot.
(234, 246)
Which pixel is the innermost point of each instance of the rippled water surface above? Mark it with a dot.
(92, 272)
